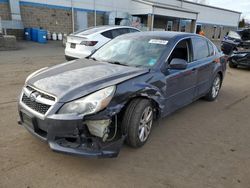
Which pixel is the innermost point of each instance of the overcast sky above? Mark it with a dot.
(237, 5)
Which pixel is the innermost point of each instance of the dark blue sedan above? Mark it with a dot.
(89, 107)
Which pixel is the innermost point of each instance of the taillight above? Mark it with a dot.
(89, 43)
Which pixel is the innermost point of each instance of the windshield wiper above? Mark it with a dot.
(117, 63)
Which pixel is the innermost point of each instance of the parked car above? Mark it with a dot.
(89, 106)
(234, 40)
(240, 57)
(84, 42)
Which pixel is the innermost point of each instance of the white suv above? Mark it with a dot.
(84, 42)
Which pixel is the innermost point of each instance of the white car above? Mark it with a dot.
(84, 42)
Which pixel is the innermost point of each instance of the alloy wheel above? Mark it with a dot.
(145, 124)
(216, 87)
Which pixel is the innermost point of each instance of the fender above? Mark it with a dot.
(121, 100)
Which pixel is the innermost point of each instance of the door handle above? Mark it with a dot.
(194, 69)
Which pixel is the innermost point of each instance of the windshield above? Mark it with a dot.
(131, 51)
(233, 34)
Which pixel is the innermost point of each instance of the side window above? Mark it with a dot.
(124, 31)
(115, 32)
(133, 30)
(211, 48)
(182, 51)
(107, 34)
(200, 48)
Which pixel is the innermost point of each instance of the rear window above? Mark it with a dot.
(200, 48)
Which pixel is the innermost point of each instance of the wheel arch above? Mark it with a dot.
(221, 74)
(155, 104)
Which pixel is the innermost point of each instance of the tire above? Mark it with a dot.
(134, 123)
(214, 89)
(231, 64)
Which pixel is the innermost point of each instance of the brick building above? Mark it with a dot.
(56, 15)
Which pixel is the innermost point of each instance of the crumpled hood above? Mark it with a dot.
(75, 79)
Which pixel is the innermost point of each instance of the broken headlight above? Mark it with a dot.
(90, 104)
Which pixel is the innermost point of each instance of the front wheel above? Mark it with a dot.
(137, 122)
(215, 89)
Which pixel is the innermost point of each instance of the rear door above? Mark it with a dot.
(203, 57)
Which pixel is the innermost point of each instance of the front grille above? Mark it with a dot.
(43, 95)
(39, 107)
(48, 97)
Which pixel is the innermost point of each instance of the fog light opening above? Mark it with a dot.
(99, 128)
(71, 139)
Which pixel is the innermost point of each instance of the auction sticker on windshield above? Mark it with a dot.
(158, 41)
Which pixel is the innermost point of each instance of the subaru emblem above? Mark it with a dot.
(33, 97)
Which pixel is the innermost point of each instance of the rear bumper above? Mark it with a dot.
(78, 52)
(69, 135)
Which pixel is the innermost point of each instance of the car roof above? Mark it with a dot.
(167, 35)
(100, 29)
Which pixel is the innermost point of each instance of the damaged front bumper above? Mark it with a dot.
(240, 58)
(70, 135)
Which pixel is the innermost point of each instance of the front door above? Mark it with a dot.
(180, 87)
(181, 84)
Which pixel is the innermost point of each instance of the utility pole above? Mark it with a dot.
(94, 13)
(152, 19)
(73, 16)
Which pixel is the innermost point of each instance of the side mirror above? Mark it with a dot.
(177, 63)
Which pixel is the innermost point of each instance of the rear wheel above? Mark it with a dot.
(215, 89)
(137, 122)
